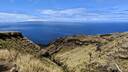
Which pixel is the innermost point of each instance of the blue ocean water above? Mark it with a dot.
(45, 32)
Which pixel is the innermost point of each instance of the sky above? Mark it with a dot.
(63, 10)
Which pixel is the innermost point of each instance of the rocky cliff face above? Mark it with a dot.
(80, 53)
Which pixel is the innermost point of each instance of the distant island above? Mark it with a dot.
(80, 53)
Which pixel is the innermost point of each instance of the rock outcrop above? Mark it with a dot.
(9, 35)
(8, 67)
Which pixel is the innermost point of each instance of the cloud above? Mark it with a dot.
(74, 14)
(66, 12)
(15, 17)
(83, 14)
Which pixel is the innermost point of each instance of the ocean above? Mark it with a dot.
(46, 32)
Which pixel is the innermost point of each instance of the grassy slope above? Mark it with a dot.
(75, 54)
(23, 53)
(85, 58)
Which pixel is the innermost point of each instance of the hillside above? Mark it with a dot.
(80, 53)
(100, 53)
(17, 53)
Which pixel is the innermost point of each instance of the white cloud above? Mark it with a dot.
(82, 14)
(63, 12)
(75, 14)
(14, 17)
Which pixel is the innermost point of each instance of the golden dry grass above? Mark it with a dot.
(87, 59)
(28, 63)
(76, 59)
(72, 58)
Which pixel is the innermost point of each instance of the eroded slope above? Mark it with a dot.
(100, 53)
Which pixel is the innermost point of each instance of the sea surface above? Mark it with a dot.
(46, 32)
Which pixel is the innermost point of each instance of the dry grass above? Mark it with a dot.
(28, 63)
(75, 60)
(71, 58)
(22, 52)
(87, 59)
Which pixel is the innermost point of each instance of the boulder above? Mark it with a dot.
(8, 67)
